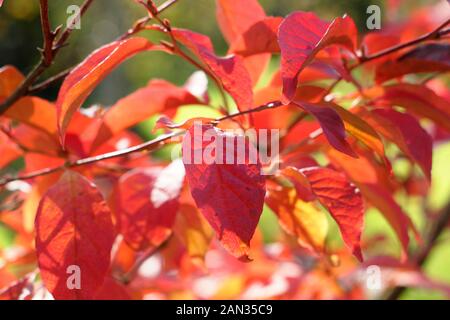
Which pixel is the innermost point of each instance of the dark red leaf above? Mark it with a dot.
(331, 124)
(432, 57)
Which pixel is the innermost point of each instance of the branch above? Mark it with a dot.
(421, 257)
(47, 34)
(439, 32)
(137, 27)
(47, 83)
(49, 52)
(146, 146)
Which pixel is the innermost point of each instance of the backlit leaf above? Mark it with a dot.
(88, 74)
(74, 236)
(301, 36)
(343, 200)
(146, 203)
(304, 220)
(230, 196)
(229, 71)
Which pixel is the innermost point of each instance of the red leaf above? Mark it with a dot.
(158, 96)
(236, 16)
(432, 57)
(331, 124)
(344, 202)
(366, 176)
(9, 150)
(230, 196)
(112, 290)
(419, 100)
(229, 71)
(88, 74)
(261, 37)
(146, 203)
(301, 35)
(405, 131)
(73, 230)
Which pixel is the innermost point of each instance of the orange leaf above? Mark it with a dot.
(88, 74)
(158, 96)
(35, 112)
(10, 79)
(304, 220)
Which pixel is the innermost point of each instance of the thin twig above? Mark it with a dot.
(48, 82)
(146, 146)
(270, 105)
(439, 32)
(137, 27)
(47, 57)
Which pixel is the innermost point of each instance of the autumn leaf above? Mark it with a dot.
(331, 123)
(259, 38)
(146, 203)
(304, 220)
(88, 74)
(418, 100)
(432, 57)
(10, 79)
(373, 187)
(74, 236)
(35, 112)
(301, 36)
(343, 200)
(299, 181)
(229, 71)
(360, 129)
(158, 96)
(230, 196)
(8, 149)
(405, 131)
(112, 290)
(235, 17)
(193, 230)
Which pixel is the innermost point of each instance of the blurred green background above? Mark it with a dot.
(106, 20)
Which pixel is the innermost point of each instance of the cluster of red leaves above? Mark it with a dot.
(128, 220)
